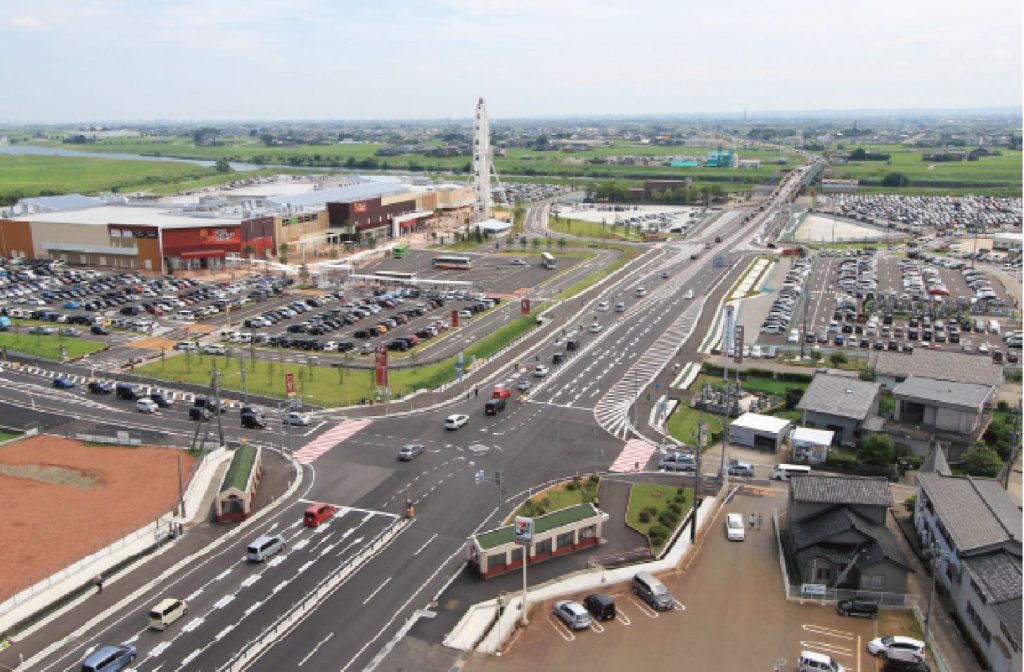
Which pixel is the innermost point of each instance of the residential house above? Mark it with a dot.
(836, 525)
(928, 410)
(971, 528)
(892, 368)
(840, 405)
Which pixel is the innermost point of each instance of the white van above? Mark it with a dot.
(993, 327)
(146, 405)
(783, 472)
(811, 661)
(185, 316)
(263, 547)
(620, 307)
(166, 612)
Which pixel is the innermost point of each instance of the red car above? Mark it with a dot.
(318, 513)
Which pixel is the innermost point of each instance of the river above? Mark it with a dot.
(34, 150)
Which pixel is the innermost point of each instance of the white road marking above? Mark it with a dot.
(253, 607)
(379, 588)
(249, 581)
(279, 587)
(315, 648)
(224, 633)
(277, 561)
(189, 658)
(193, 624)
(197, 593)
(425, 544)
(224, 573)
(158, 649)
(224, 601)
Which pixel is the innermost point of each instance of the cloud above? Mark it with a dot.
(25, 23)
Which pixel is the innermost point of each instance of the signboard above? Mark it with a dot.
(380, 357)
(458, 366)
(524, 306)
(455, 319)
(738, 345)
(727, 331)
(289, 383)
(817, 589)
(523, 530)
(216, 236)
(361, 206)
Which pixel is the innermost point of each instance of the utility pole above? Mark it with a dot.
(696, 479)
(727, 345)
(1008, 469)
(245, 385)
(219, 407)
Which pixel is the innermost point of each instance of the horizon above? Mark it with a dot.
(310, 60)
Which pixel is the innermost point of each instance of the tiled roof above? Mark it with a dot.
(976, 512)
(945, 392)
(998, 575)
(841, 490)
(823, 527)
(955, 366)
(840, 396)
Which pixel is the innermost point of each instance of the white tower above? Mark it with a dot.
(482, 161)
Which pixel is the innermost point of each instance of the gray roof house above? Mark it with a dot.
(929, 409)
(836, 525)
(839, 404)
(973, 528)
(892, 368)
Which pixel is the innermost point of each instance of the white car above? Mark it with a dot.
(214, 349)
(896, 647)
(640, 291)
(296, 418)
(734, 530)
(603, 307)
(689, 294)
(146, 405)
(518, 262)
(540, 371)
(794, 336)
(455, 421)
(465, 314)
(186, 346)
(594, 328)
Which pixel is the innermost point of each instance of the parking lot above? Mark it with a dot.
(735, 616)
(166, 313)
(848, 299)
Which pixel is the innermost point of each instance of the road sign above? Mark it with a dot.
(738, 345)
(289, 383)
(523, 530)
(380, 354)
(524, 306)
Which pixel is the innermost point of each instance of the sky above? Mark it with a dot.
(130, 60)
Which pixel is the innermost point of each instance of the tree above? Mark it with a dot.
(223, 166)
(793, 397)
(561, 244)
(981, 461)
(282, 252)
(249, 251)
(877, 449)
(895, 180)
(858, 154)
(837, 358)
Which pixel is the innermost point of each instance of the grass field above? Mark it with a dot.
(644, 495)
(47, 347)
(7, 436)
(25, 176)
(557, 497)
(995, 175)
(578, 227)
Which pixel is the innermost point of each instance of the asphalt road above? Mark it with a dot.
(552, 435)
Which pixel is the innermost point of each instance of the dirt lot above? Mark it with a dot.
(63, 500)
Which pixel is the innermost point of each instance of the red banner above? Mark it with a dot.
(289, 383)
(455, 319)
(381, 365)
(524, 306)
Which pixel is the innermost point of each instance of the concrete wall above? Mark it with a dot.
(944, 418)
(845, 428)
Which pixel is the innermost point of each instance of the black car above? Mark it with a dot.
(858, 606)
(600, 606)
(253, 420)
(98, 330)
(197, 413)
(100, 387)
(161, 398)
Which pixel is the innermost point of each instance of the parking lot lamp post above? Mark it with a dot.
(937, 556)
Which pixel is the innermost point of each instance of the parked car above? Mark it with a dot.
(572, 614)
(858, 606)
(62, 383)
(600, 606)
(101, 387)
(734, 529)
(897, 647)
(146, 405)
(678, 462)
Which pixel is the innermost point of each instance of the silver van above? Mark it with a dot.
(166, 612)
(652, 591)
(620, 307)
(264, 547)
(109, 659)
(812, 661)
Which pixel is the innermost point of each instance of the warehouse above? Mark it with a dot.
(759, 431)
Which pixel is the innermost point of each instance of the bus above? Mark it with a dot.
(452, 262)
(548, 260)
(400, 251)
(395, 275)
(783, 472)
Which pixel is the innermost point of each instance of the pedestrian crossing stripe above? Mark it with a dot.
(633, 457)
(328, 440)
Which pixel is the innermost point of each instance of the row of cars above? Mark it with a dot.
(601, 607)
(781, 311)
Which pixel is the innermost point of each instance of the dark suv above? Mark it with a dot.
(859, 606)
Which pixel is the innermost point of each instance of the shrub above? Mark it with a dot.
(675, 508)
(679, 499)
(837, 358)
(657, 534)
(877, 450)
(572, 486)
(793, 396)
(644, 516)
(910, 502)
(593, 481)
(650, 510)
(841, 459)
(681, 492)
(668, 518)
(1001, 405)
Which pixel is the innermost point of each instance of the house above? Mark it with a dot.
(836, 526)
(972, 529)
(811, 445)
(927, 410)
(840, 405)
(892, 368)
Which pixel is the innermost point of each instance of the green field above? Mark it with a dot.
(25, 176)
(47, 347)
(651, 496)
(990, 175)
(606, 231)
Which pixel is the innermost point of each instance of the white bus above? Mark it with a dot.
(395, 275)
(548, 260)
(783, 472)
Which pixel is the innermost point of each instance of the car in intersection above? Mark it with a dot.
(456, 421)
(409, 452)
(297, 419)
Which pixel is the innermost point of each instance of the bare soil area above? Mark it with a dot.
(63, 500)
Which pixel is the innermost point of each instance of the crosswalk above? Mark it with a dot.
(633, 457)
(328, 440)
(612, 410)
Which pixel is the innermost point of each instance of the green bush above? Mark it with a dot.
(679, 499)
(910, 502)
(657, 534)
(1001, 405)
(593, 481)
(877, 449)
(644, 516)
(668, 518)
(794, 377)
(675, 508)
(841, 459)
(681, 492)
(650, 510)
(572, 486)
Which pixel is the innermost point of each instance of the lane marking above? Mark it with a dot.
(379, 588)
(224, 601)
(420, 549)
(315, 648)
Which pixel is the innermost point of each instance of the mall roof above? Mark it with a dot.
(129, 216)
(62, 202)
(350, 194)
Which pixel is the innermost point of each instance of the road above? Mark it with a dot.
(370, 590)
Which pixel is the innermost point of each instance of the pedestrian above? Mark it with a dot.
(98, 582)
(752, 519)
(759, 521)
(476, 391)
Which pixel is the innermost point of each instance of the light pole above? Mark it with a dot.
(937, 556)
